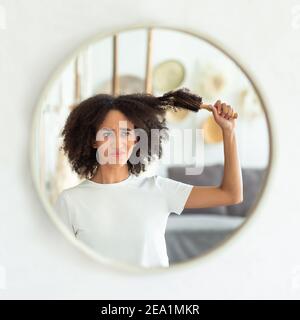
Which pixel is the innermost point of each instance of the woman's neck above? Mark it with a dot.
(110, 174)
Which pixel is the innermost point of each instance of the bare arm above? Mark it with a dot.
(231, 189)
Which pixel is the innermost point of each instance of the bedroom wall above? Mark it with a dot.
(262, 261)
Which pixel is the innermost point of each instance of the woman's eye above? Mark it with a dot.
(109, 134)
(106, 134)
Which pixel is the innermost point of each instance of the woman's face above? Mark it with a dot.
(115, 139)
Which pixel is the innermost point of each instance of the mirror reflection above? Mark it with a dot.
(152, 146)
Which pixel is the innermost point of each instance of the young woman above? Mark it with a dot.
(117, 211)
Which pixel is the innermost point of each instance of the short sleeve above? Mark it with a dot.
(175, 192)
(61, 208)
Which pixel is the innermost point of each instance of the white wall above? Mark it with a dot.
(262, 261)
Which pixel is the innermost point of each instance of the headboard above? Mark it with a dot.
(212, 175)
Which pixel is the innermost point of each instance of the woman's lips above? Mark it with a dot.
(117, 154)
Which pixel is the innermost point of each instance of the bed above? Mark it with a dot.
(188, 236)
(198, 230)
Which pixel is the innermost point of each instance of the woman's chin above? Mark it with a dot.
(118, 159)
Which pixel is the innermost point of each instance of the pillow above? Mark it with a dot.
(252, 184)
(211, 175)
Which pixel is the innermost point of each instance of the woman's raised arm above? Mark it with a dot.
(230, 190)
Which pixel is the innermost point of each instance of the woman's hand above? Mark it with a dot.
(223, 114)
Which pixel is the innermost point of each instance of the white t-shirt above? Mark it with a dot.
(124, 221)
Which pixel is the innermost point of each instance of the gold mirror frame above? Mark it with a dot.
(118, 266)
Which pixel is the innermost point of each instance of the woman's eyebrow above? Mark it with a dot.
(110, 129)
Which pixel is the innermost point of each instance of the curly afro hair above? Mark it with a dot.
(144, 110)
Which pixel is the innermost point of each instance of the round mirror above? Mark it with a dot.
(176, 203)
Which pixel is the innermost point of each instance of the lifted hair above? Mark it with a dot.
(144, 110)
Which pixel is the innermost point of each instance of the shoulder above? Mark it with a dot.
(161, 181)
(155, 178)
(72, 191)
(65, 199)
(158, 182)
(143, 181)
(150, 179)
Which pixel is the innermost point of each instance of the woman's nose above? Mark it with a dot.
(119, 141)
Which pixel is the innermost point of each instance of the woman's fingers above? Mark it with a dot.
(218, 105)
(227, 111)
(224, 110)
(231, 112)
